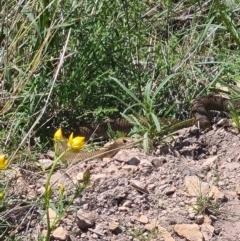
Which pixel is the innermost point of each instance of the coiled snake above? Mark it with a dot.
(201, 117)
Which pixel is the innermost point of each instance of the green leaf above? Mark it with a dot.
(156, 122)
(126, 90)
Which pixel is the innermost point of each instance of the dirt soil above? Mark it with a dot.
(189, 190)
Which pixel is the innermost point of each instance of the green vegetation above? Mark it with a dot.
(63, 63)
(58, 56)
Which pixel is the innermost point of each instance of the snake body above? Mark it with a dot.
(200, 110)
(108, 151)
(201, 117)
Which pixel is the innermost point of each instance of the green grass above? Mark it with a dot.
(59, 60)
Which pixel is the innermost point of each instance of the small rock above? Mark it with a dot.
(207, 220)
(164, 150)
(194, 130)
(50, 154)
(160, 203)
(170, 190)
(40, 190)
(212, 217)
(217, 194)
(207, 231)
(143, 219)
(233, 166)
(45, 163)
(192, 216)
(121, 209)
(165, 234)
(221, 183)
(238, 189)
(199, 219)
(112, 169)
(133, 161)
(189, 231)
(207, 164)
(85, 206)
(151, 187)
(138, 185)
(85, 219)
(79, 176)
(130, 168)
(52, 215)
(158, 162)
(196, 187)
(107, 159)
(217, 231)
(113, 226)
(213, 150)
(94, 235)
(98, 177)
(145, 163)
(152, 225)
(60, 234)
(128, 203)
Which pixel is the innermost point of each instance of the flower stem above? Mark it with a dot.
(48, 194)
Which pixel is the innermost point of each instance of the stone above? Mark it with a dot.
(213, 218)
(113, 226)
(233, 166)
(199, 219)
(112, 169)
(138, 185)
(196, 187)
(152, 225)
(143, 219)
(41, 190)
(107, 159)
(190, 232)
(130, 168)
(238, 189)
(207, 220)
(85, 219)
(128, 203)
(165, 234)
(122, 209)
(52, 215)
(79, 177)
(194, 130)
(133, 161)
(60, 234)
(158, 162)
(98, 177)
(207, 231)
(207, 164)
(170, 190)
(45, 163)
(151, 186)
(145, 163)
(217, 194)
(213, 150)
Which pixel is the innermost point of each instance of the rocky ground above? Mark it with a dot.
(189, 190)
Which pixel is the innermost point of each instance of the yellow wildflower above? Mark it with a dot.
(49, 190)
(2, 194)
(3, 162)
(61, 188)
(76, 143)
(58, 136)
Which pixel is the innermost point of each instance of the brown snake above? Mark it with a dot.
(201, 117)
